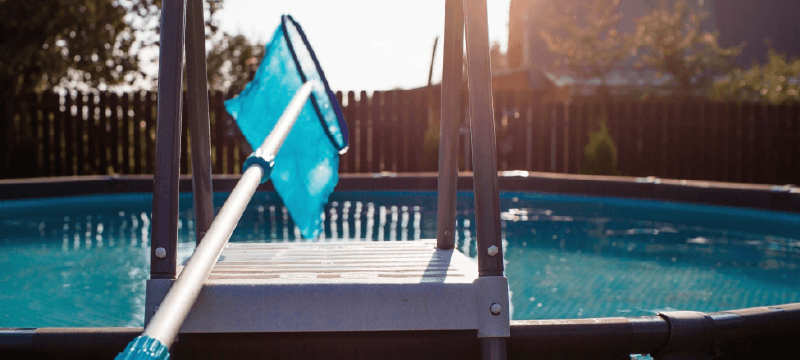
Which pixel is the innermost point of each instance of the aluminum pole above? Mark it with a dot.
(179, 300)
(450, 116)
(197, 91)
(168, 142)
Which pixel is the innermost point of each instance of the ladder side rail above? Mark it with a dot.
(484, 160)
(199, 124)
(168, 142)
(450, 121)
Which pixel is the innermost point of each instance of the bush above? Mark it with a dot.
(600, 154)
(430, 147)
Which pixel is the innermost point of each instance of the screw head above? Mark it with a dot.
(448, 233)
(161, 253)
(492, 251)
(495, 309)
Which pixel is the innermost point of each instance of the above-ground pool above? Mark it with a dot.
(83, 261)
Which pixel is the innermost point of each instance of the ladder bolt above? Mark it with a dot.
(495, 309)
(161, 253)
(492, 251)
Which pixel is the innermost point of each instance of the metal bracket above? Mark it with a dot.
(492, 290)
(689, 335)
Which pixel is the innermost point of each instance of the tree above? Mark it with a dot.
(672, 41)
(585, 33)
(230, 61)
(95, 43)
(46, 43)
(775, 82)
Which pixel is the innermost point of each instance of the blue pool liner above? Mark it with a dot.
(305, 170)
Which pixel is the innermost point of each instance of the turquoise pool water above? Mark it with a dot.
(83, 261)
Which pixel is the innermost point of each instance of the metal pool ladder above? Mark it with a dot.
(324, 287)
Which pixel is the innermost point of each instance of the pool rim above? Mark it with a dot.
(784, 198)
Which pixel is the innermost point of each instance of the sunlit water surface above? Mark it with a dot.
(83, 261)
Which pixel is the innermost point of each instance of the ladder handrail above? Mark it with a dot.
(199, 126)
(168, 142)
(449, 130)
(484, 160)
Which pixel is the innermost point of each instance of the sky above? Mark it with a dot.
(362, 44)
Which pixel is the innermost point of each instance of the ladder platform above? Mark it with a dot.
(339, 286)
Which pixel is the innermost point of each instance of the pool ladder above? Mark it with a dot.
(422, 285)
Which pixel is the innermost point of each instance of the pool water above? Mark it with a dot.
(83, 261)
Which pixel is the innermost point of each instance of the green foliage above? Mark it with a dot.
(584, 32)
(93, 43)
(600, 154)
(771, 82)
(45, 43)
(670, 40)
(430, 146)
(230, 61)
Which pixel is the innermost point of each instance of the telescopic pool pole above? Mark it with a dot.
(159, 334)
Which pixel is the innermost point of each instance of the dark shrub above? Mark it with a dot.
(600, 154)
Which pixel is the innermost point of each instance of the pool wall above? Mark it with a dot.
(762, 332)
(764, 197)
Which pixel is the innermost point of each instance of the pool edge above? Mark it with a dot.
(754, 196)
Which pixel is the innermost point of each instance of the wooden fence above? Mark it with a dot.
(105, 133)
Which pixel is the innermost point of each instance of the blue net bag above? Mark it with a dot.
(305, 169)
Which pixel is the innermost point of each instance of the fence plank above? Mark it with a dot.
(651, 137)
(573, 116)
(80, 133)
(150, 107)
(538, 127)
(782, 155)
(114, 133)
(516, 131)
(379, 132)
(738, 141)
(390, 116)
(498, 99)
(404, 105)
(58, 138)
(760, 134)
(138, 129)
(50, 118)
(364, 135)
(348, 159)
(560, 144)
(356, 127)
(465, 143)
(184, 155)
(69, 135)
(549, 133)
(125, 125)
(793, 143)
(217, 133)
(423, 116)
(229, 141)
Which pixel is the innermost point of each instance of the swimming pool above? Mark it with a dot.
(83, 261)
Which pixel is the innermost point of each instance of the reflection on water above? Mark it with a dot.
(83, 261)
